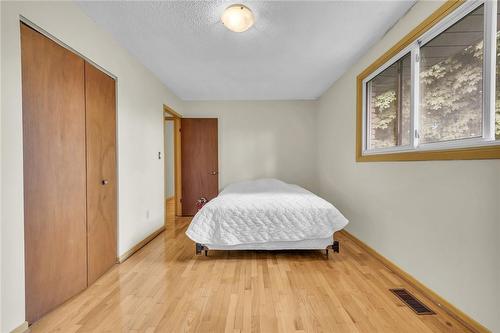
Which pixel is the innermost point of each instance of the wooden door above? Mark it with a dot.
(54, 173)
(199, 150)
(101, 171)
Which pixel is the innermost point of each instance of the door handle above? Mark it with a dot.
(105, 182)
(214, 173)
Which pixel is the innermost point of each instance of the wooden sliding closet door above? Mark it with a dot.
(54, 173)
(101, 171)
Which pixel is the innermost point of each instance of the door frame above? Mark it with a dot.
(171, 114)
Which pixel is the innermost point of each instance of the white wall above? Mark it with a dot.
(263, 139)
(438, 220)
(140, 136)
(169, 159)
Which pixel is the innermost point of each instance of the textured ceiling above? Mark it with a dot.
(295, 50)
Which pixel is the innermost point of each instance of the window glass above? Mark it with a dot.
(451, 82)
(388, 106)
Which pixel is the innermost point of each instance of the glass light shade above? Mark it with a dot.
(237, 18)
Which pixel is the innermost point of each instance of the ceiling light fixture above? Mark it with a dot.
(237, 18)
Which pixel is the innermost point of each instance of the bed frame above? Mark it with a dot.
(335, 247)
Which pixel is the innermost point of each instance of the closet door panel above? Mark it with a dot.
(54, 173)
(101, 171)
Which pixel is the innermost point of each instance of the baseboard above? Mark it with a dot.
(140, 245)
(449, 308)
(21, 328)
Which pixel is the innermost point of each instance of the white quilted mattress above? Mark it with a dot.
(263, 211)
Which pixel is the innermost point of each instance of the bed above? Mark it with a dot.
(266, 214)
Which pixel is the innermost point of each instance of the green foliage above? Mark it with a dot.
(385, 105)
(451, 96)
(383, 119)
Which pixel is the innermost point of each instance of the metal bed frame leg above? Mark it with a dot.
(200, 248)
(335, 248)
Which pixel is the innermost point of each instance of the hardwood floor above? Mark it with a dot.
(166, 288)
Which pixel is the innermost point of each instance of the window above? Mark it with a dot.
(389, 106)
(437, 94)
(451, 82)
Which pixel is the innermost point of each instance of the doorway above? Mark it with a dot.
(191, 172)
(172, 161)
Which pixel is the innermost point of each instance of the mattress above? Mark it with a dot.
(265, 211)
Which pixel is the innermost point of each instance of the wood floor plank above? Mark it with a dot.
(165, 287)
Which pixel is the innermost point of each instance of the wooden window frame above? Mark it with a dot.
(487, 151)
